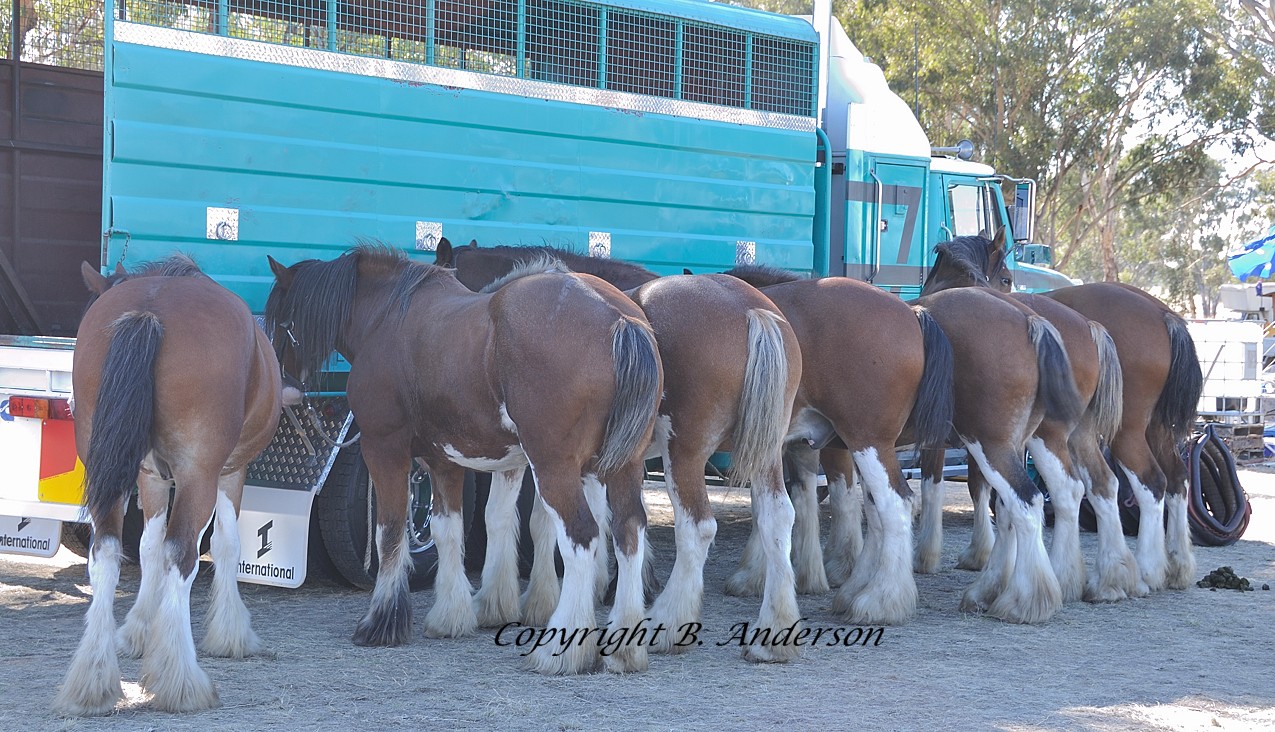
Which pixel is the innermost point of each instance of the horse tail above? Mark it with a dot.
(763, 419)
(124, 414)
(1055, 386)
(637, 394)
(1107, 404)
(1180, 398)
(935, 397)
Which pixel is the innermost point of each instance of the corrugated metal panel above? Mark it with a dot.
(313, 159)
(50, 192)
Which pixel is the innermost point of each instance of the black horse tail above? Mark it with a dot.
(763, 418)
(935, 398)
(1055, 386)
(124, 414)
(1180, 398)
(638, 380)
(1107, 405)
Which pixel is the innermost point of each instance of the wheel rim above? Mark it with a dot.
(420, 536)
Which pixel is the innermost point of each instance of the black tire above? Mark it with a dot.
(78, 537)
(348, 529)
(319, 569)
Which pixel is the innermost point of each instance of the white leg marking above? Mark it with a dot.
(981, 542)
(1065, 491)
(170, 670)
(807, 553)
(496, 601)
(629, 653)
(542, 587)
(845, 541)
(453, 614)
(131, 637)
(596, 495)
(883, 592)
(682, 598)
(1032, 594)
(92, 683)
(929, 544)
(775, 524)
(1115, 570)
(574, 616)
(1180, 572)
(229, 624)
(750, 576)
(1150, 549)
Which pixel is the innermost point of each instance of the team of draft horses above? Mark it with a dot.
(505, 359)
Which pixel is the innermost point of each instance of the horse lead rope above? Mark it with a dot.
(313, 418)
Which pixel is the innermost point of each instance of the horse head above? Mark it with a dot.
(970, 261)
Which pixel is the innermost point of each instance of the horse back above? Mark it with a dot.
(215, 374)
(1135, 321)
(859, 344)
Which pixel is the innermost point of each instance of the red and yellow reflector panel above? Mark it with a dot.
(61, 472)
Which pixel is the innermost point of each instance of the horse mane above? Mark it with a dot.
(542, 261)
(318, 302)
(175, 265)
(618, 272)
(763, 275)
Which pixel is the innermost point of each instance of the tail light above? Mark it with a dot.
(39, 408)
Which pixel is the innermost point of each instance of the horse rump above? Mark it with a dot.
(124, 413)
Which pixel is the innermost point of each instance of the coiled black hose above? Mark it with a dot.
(1218, 510)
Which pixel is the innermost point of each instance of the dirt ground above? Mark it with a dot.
(1178, 660)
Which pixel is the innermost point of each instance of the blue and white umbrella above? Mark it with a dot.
(1255, 259)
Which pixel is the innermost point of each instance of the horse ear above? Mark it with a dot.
(998, 241)
(473, 243)
(443, 252)
(93, 279)
(282, 274)
(119, 269)
(687, 271)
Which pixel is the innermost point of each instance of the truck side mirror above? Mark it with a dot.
(1023, 221)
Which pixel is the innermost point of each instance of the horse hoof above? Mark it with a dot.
(85, 702)
(765, 653)
(743, 584)
(380, 634)
(627, 661)
(577, 659)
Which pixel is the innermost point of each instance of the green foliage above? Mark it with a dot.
(1116, 108)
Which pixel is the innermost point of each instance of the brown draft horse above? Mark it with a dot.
(1000, 395)
(1162, 387)
(1010, 372)
(731, 369)
(1067, 454)
(556, 370)
(872, 366)
(177, 388)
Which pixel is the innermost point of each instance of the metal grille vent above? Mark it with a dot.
(561, 41)
(286, 463)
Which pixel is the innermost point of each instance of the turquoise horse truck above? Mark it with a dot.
(678, 134)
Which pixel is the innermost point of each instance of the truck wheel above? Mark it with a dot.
(78, 537)
(346, 511)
